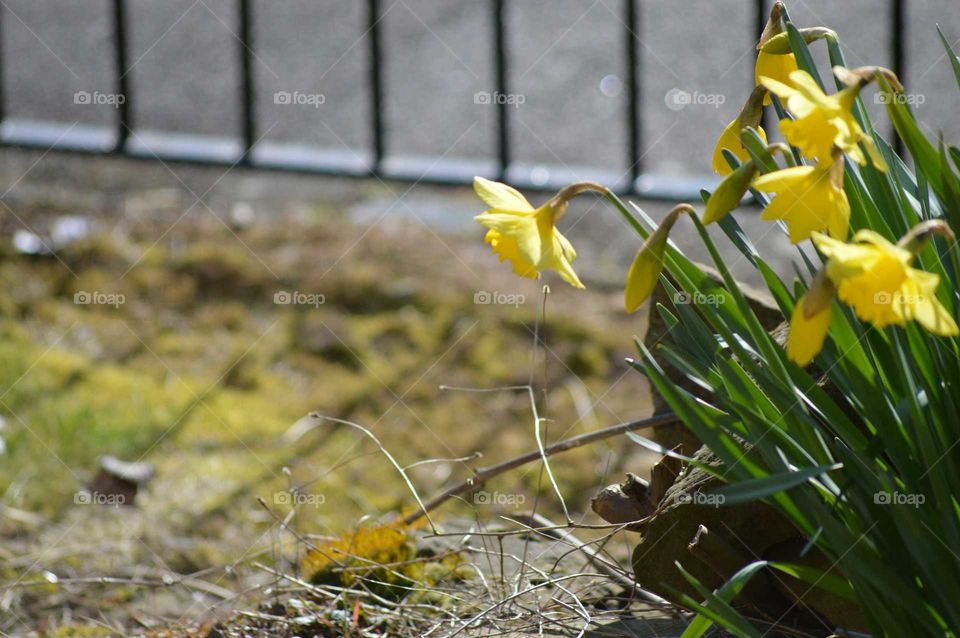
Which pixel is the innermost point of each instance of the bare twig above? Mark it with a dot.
(483, 475)
(386, 453)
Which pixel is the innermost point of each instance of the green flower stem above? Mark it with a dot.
(627, 214)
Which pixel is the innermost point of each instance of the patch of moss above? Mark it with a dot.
(222, 270)
(76, 630)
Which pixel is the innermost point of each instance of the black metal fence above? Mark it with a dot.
(245, 154)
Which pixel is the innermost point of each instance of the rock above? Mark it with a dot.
(119, 481)
(712, 541)
(623, 503)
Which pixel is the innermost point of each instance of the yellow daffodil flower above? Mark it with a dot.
(750, 116)
(807, 332)
(730, 139)
(811, 320)
(808, 199)
(527, 236)
(823, 121)
(774, 66)
(875, 278)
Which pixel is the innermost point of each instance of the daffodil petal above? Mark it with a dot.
(930, 313)
(782, 179)
(500, 196)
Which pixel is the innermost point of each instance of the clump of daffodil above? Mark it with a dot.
(750, 117)
(822, 121)
(875, 278)
(808, 198)
(527, 236)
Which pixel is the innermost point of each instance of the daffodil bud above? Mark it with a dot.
(773, 26)
(728, 194)
(647, 265)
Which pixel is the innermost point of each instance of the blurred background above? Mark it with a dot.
(184, 291)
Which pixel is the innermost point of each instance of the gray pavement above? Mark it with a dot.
(567, 68)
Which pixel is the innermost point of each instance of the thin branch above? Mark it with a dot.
(413, 490)
(483, 475)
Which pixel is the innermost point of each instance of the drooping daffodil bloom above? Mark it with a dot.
(875, 278)
(811, 321)
(730, 140)
(749, 116)
(822, 121)
(774, 66)
(808, 199)
(527, 236)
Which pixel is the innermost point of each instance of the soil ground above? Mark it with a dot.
(196, 333)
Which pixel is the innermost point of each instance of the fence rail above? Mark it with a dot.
(246, 152)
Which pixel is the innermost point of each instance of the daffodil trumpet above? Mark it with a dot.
(525, 236)
(808, 199)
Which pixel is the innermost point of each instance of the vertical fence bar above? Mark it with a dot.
(247, 88)
(122, 85)
(635, 131)
(500, 69)
(898, 53)
(760, 19)
(3, 102)
(376, 84)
